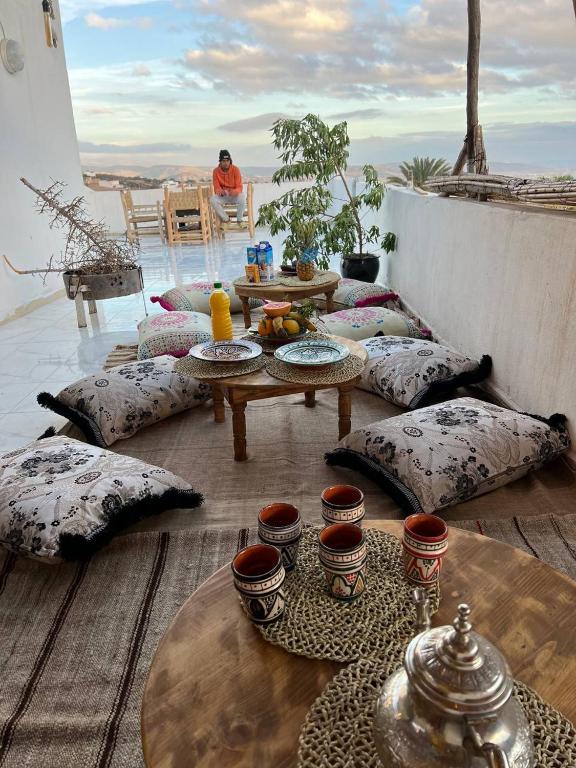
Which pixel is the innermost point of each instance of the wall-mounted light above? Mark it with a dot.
(11, 53)
(48, 13)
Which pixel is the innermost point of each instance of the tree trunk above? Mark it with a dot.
(472, 67)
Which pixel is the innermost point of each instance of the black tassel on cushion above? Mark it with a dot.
(50, 432)
(464, 379)
(83, 422)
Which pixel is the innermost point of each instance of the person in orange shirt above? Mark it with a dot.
(227, 183)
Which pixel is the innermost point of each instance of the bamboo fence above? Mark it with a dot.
(538, 191)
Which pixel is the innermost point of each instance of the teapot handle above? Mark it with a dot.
(493, 754)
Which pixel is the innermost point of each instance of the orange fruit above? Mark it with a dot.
(291, 327)
(277, 308)
(265, 326)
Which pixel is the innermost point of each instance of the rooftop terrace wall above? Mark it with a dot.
(37, 141)
(494, 279)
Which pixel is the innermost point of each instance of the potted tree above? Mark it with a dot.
(311, 150)
(92, 258)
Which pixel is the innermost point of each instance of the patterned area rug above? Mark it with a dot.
(77, 641)
(550, 538)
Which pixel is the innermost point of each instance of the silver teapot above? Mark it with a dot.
(450, 705)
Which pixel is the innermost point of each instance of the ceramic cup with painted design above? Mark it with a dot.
(342, 504)
(342, 553)
(280, 524)
(258, 577)
(425, 543)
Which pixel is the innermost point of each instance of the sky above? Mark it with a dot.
(173, 81)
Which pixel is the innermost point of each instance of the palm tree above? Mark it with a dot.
(419, 170)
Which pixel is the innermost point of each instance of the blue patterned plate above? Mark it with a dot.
(312, 352)
(233, 351)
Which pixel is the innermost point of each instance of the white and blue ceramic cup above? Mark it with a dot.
(258, 577)
(342, 504)
(280, 524)
(342, 553)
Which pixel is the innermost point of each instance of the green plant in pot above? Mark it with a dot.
(312, 151)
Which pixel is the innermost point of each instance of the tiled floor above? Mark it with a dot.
(45, 350)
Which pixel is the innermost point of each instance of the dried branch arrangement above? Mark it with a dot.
(90, 247)
(538, 191)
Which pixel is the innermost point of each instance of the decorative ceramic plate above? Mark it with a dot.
(277, 339)
(312, 352)
(226, 351)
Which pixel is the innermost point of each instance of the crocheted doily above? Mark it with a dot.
(205, 369)
(337, 373)
(338, 730)
(317, 625)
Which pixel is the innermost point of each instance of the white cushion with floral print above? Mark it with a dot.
(115, 404)
(62, 499)
(350, 292)
(444, 454)
(195, 297)
(365, 322)
(172, 333)
(409, 372)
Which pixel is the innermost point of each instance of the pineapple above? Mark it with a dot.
(305, 266)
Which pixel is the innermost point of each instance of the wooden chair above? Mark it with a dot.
(187, 217)
(145, 219)
(221, 227)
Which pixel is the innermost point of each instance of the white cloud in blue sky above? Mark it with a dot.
(197, 72)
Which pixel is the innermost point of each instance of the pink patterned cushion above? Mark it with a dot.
(174, 333)
(365, 322)
(195, 297)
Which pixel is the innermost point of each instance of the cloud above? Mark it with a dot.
(347, 50)
(72, 9)
(256, 123)
(365, 114)
(89, 147)
(141, 70)
(100, 22)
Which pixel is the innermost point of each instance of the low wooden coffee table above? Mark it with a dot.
(286, 293)
(239, 390)
(218, 695)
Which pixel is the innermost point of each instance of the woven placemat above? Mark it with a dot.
(204, 369)
(333, 374)
(320, 278)
(271, 347)
(338, 730)
(315, 624)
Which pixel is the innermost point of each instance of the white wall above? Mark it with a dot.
(37, 141)
(494, 279)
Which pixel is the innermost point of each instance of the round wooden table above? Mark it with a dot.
(278, 292)
(219, 695)
(260, 385)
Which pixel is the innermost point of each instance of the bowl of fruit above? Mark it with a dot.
(282, 323)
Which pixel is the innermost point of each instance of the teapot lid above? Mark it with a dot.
(458, 670)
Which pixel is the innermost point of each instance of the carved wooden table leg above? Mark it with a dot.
(310, 398)
(238, 426)
(329, 302)
(218, 400)
(344, 410)
(246, 311)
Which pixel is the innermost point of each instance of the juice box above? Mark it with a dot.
(252, 273)
(265, 260)
(252, 254)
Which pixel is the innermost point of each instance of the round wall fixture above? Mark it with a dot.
(12, 55)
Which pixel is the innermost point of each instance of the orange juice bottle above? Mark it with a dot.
(220, 311)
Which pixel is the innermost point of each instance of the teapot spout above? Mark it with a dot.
(493, 754)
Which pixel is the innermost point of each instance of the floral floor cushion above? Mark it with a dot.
(115, 404)
(195, 297)
(63, 499)
(356, 293)
(365, 322)
(172, 333)
(445, 454)
(410, 372)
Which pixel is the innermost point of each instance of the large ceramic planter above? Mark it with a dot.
(365, 267)
(104, 286)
